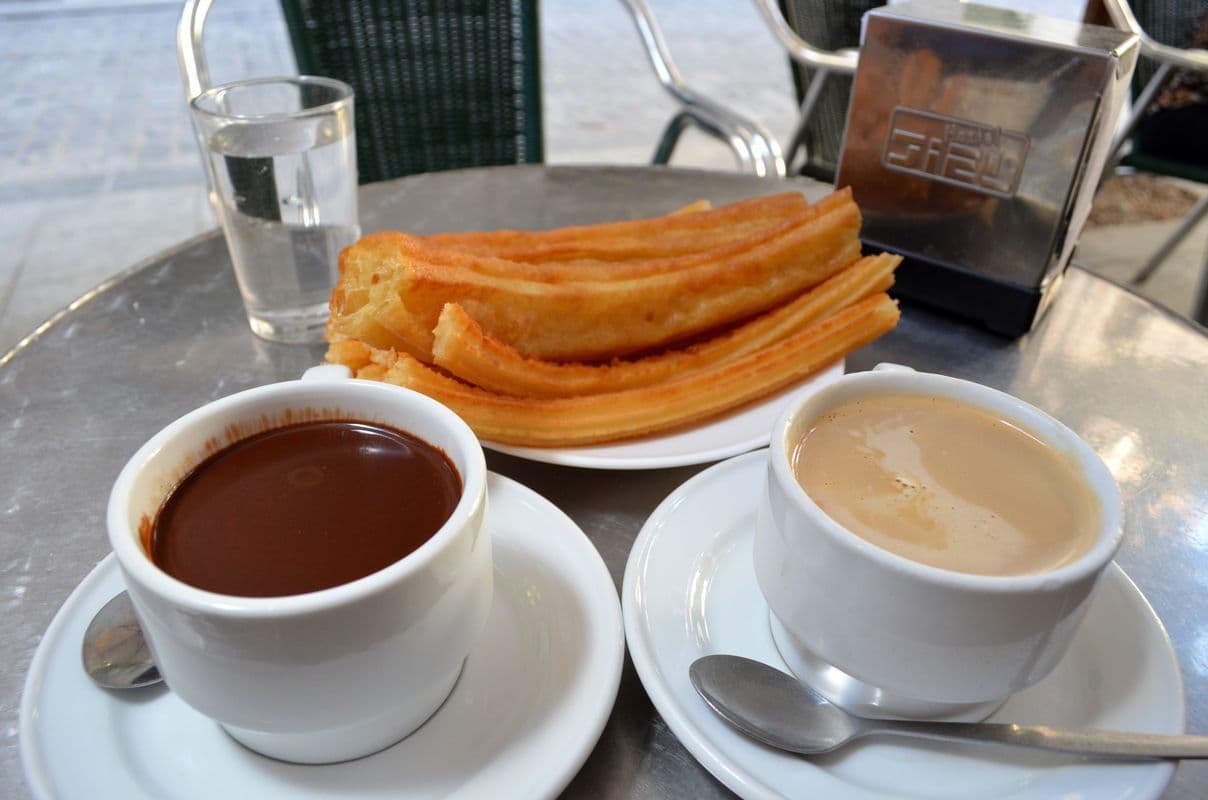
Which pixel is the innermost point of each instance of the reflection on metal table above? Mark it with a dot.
(82, 393)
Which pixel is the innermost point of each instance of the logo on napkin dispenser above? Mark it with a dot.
(960, 152)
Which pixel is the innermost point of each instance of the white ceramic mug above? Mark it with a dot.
(329, 675)
(885, 636)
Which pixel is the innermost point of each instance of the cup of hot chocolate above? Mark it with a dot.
(308, 561)
(928, 546)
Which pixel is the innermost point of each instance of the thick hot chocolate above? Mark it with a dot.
(304, 507)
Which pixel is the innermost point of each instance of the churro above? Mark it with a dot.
(599, 333)
(463, 349)
(687, 400)
(690, 229)
(585, 319)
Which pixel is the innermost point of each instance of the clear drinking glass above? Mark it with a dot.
(282, 164)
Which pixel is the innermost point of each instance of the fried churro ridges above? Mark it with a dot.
(380, 320)
(660, 258)
(368, 301)
(766, 301)
(692, 228)
(352, 353)
(464, 350)
(635, 412)
(590, 320)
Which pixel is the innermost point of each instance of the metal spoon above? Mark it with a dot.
(777, 709)
(115, 654)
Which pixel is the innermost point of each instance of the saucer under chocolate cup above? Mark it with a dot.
(329, 675)
(883, 635)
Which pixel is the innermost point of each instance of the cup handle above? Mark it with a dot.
(887, 367)
(327, 372)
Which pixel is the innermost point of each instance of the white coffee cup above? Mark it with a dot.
(329, 675)
(885, 636)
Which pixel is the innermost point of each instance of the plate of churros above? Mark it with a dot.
(644, 343)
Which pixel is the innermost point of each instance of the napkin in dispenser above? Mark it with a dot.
(975, 140)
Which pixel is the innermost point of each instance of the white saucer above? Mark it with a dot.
(744, 429)
(690, 591)
(528, 709)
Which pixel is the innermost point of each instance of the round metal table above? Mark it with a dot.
(79, 396)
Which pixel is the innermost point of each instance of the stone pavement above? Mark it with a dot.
(99, 169)
(98, 165)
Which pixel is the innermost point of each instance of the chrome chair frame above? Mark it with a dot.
(1168, 58)
(190, 52)
(1185, 58)
(756, 149)
(824, 63)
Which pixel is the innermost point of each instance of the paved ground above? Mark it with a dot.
(98, 168)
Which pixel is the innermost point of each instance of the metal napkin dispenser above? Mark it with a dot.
(975, 139)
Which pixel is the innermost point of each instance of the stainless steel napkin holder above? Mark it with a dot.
(975, 139)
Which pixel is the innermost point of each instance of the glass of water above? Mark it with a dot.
(282, 163)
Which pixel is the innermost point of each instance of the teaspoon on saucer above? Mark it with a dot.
(114, 652)
(775, 708)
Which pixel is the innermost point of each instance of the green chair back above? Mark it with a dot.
(440, 84)
(1175, 23)
(829, 25)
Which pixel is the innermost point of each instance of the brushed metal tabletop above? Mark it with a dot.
(79, 397)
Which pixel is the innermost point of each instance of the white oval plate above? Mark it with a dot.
(747, 428)
(529, 707)
(690, 591)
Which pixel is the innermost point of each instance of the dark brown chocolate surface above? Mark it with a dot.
(302, 508)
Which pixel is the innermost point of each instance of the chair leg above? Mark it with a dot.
(670, 138)
(796, 144)
(1135, 114)
(1199, 312)
(807, 111)
(1197, 213)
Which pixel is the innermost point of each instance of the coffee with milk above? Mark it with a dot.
(946, 484)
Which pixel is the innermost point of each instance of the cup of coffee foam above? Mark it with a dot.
(927, 546)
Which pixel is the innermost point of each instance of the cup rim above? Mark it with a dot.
(346, 96)
(136, 563)
(1108, 536)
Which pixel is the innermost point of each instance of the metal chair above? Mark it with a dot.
(1165, 59)
(440, 84)
(754, 146)
(822, 76)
